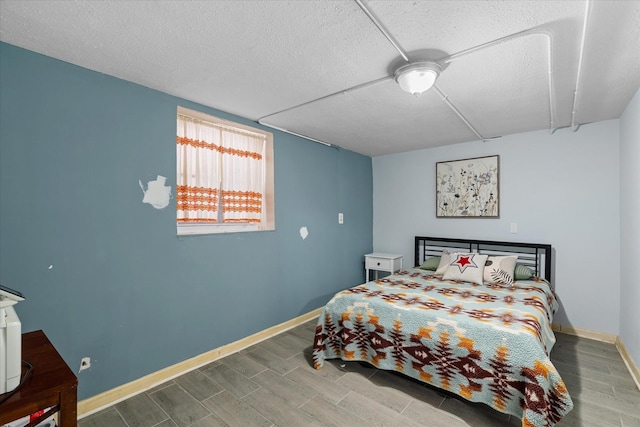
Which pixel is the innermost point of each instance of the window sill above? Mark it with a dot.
(200, 229)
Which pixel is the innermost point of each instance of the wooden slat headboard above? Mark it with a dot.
(536, 256)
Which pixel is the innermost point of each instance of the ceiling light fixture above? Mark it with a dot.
(417, 77)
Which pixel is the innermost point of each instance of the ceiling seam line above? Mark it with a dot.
(583, 43)
(382, 30)
(340, 92)
(458, 55)
(529, 32)
(445, 99)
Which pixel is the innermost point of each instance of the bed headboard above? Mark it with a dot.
(536, 256)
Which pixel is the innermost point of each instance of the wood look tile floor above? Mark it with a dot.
(274, 384)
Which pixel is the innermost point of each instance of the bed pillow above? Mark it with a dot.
(466, 267)
(522, 272)
(431, 263)
(499, 269)
(444, 262)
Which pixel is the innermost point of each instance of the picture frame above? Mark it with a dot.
(468, 188)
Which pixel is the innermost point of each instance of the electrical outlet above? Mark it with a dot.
(85, 363)
(340, 218)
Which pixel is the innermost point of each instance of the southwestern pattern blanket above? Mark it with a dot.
(487, 343)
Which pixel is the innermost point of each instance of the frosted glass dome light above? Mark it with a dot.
(417, 77)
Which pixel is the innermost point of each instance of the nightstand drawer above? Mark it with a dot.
(382, 264)
(379, 261)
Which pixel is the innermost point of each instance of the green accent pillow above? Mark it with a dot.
(430, 263)
(522, 272)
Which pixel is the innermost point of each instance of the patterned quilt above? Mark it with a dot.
(487, 343)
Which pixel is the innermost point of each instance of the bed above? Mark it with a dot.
(485, 339)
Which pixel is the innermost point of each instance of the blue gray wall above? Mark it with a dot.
(105, 275)
(630, 227)
(562, 189)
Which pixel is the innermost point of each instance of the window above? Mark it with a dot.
(224, 180)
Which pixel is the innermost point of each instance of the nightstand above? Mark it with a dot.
(379, 261)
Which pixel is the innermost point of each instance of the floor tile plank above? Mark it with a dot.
(235, 412)
(375, 414)
(276, 409)
(392, 398)
(294, 393)
(231, 380)
(328, 414)
(247, 366)
(420, 411)
(330, 390)
(270, 360)
(106, 418)
(141, 411)
(198, 385)
(183, 408)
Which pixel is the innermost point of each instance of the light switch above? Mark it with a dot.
(340, 218)
(514, 227)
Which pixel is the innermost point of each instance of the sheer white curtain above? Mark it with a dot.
(198, 171)
(220, 173)
(242, 176)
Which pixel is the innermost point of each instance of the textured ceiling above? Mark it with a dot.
(305, 66)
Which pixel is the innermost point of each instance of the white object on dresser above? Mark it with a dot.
(10, 340)
(379, 261)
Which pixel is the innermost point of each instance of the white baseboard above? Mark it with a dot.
(604, 337)
(125, 391)
(631, 366)
(585, 333)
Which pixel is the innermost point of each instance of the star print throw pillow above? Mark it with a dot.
(466, 267)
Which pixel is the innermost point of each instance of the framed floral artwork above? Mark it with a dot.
(468, 188)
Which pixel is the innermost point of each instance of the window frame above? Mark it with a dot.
(268, 206)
